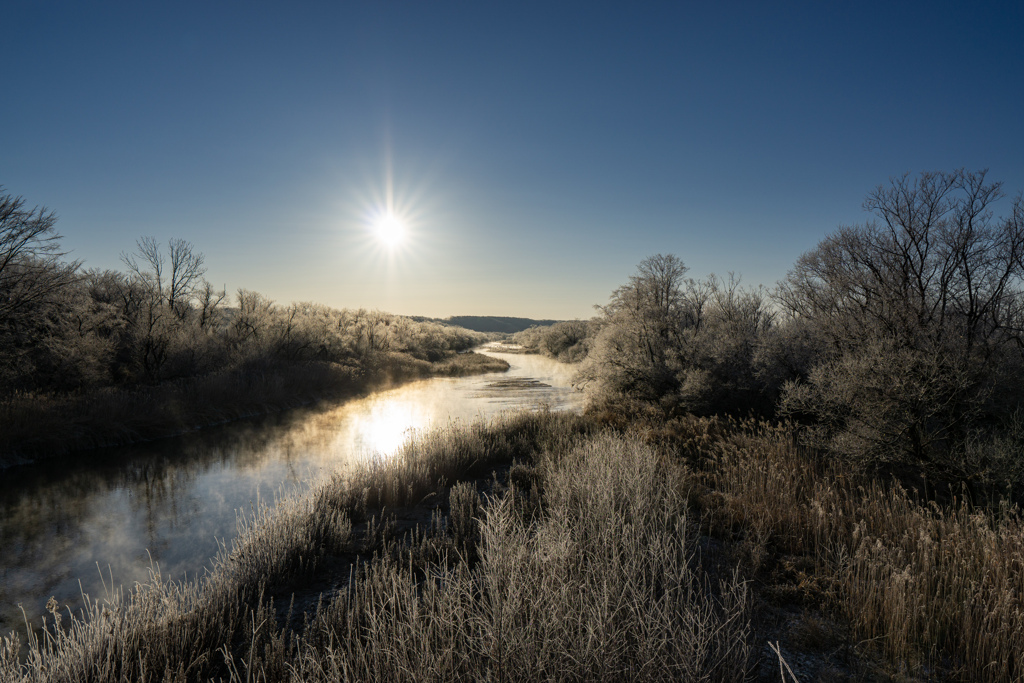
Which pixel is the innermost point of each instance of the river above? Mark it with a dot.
(170, 502)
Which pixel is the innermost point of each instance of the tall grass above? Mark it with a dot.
(590, 574)
(602, 586)
(556, 551)
(935, 588)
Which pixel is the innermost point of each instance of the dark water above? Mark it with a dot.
(170, 502)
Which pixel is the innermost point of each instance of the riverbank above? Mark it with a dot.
(530, 547)
(36, 426)
(550, 546)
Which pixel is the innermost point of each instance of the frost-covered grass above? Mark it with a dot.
(588, 573)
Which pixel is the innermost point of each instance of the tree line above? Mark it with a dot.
(896, 344)
(65, 329)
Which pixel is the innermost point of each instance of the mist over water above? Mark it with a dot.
(168, 503)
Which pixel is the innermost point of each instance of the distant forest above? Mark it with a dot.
(489, 323)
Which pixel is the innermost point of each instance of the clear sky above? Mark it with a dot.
(537, 151)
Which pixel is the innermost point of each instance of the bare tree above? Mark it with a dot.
(938, 266)
(159, 302)
(726, 328)
(183, 282)
(146, 264)
(374, 330)
(31, 266)
(208, 303)
(929, 295)
(186, 275)
(34, 286)
(255, 315)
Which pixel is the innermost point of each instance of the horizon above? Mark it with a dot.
(529, 156)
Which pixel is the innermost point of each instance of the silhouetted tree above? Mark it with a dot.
(720, 345)
(33, 282)
(159, 300)
(208, 301)
(251, 325)
(921, 310)
(176, 288)
(186, 276)
(31, 268)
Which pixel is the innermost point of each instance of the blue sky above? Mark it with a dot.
(538, 151)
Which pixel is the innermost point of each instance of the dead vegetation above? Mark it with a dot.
(541, 546)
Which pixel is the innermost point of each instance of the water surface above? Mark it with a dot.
(169, 502)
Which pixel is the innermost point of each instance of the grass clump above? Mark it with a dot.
(602, 586)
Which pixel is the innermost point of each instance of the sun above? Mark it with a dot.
(389, 229)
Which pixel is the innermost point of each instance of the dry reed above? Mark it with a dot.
(937, 588)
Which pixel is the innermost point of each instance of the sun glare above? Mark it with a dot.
(389, 230)
(388, 426)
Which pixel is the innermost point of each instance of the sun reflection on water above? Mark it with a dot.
(174, 501)
(387, 426)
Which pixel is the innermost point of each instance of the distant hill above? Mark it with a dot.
(494, 323)
(480, 323)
